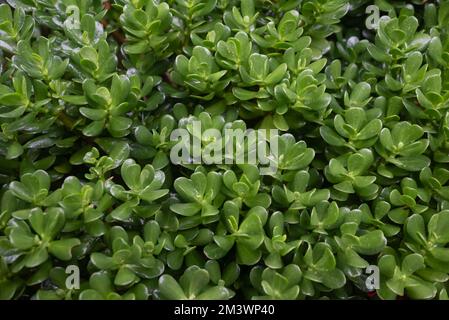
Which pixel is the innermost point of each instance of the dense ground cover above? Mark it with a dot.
(91, 91)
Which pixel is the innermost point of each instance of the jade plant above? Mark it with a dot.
(94, 94)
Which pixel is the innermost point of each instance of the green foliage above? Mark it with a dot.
(91, 92)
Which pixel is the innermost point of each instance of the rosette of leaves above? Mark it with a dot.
(436, 181)
(144, 188)
(262, 73)
(359, 96)
(218, 33)
(402, 147)
(356, 128)
(200, 74)
(39, 63)
(30, 242)
(349, 174)
(243, 19)
(283, 35)
(233, 52)
(292, 156)
(319, 269)
(406, 200)
(128, 259)
(101, 288)
(322, 218)
(12, 285)
(183, 246)
(412, 75)
(63, 15)
(108, 107)
(321, 18)
(400, 276)
(354, 243)
(100, 166)
(95, 61)
(144, 87)
(17, 100)
(246, 188)
(377, 217)
(276, 284)
(81, 93)
(302, 92)
(429, 238)
(89, 32)
(301, 57)
(396, 38)
(155, 143)
(339, 77)
(226, 276)
(153, 240)
(194, 284)
(202, 195)
(195, 15)
(305, 94)
(148, 26)
(298, 194)
(34, 189)
(277, 243)
(19, 108)
(246, 234)
(84, 205)
(431, 97)
(15, 26)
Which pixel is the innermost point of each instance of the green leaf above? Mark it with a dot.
(101, 261)
(186, 188)
(36, 257)
(412, 163)
(21, 239)
(131, 174)
(194, 280)
(331, 137)
(371, 243)
(372, 129)
(277, 75)
(216, 293)
(250, 233)
(62, 249)
(415, 228)
(122, 212)
(124, 277)
(93, 114)
(247, 255)
(170, 289)
(333, 279)
(186, 209)
(439, 227)
(90, 294)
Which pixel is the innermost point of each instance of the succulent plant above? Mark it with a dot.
(92, 98)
